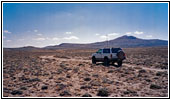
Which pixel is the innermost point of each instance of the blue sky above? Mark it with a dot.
(43, 24)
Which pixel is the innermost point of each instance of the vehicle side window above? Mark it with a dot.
(106, 50)
(115, 50)
(99, 51)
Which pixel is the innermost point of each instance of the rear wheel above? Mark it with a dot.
(119, 63)
(93, 60)
(106, 61)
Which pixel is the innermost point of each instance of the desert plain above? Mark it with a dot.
(70, 73)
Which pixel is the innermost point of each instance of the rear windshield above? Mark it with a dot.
(106, 50)
(115, 50)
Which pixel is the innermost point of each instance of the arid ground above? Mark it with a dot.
(70, 73)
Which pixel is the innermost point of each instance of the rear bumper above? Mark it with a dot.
(114, 60)
(111, 60)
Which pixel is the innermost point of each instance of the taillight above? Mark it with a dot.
(111, 55)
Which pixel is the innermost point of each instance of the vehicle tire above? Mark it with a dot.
(106, 61)
(119, 63)
(120, 55)
(93, 60)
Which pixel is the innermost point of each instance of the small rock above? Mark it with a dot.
(110, 71)
(51, 77)
(103, 92)
(68, 76)
(86, 95)
(142, 71)
(105, 80)
(87, 79)
(62, 65)
(95, 75)
(126, 92)
(80, 64)
(61, 78)
(44, 87)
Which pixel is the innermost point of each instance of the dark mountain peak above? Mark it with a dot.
(64, 44)
(127, 37)
(29, 47)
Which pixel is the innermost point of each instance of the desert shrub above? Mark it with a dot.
(61, 78)
(94, 83)
(154, 86)
(59, 71)
(85, 87)
(161, 73)
(6, 90)
(65, 93)
(60, 86)
(34, 80)
(76, 69)
(105, 80)
(23, 88)
(86, 95)
(130, 92)
(103, 92)
(16, 92)
(148, 80)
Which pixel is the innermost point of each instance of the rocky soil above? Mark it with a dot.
(70, 73)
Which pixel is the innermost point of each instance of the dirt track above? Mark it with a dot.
(89, 61)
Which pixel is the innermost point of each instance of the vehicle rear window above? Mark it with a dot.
(106, 50)
(115, 50)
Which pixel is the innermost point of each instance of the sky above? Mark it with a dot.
(44, 24)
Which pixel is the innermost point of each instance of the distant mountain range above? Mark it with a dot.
(123, 42)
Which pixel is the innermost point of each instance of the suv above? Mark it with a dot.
(108, 55)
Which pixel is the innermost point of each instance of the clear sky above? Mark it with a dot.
(44, 24)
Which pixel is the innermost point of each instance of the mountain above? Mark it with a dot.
(123, 42)
(131, 41)
(26, 48)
